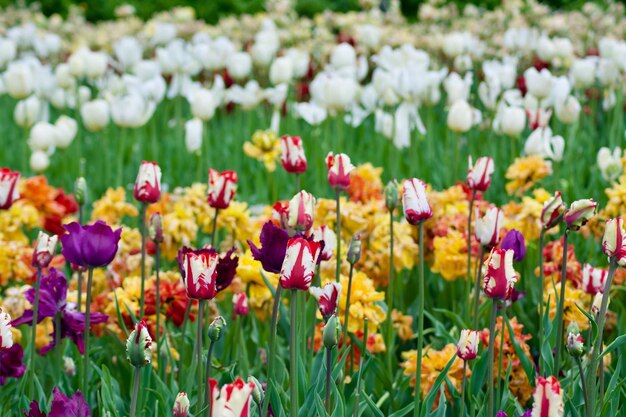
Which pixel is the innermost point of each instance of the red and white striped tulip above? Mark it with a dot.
(547, 398)
(467, 348)
(222, 188)
(301, 208)
(552, 211)
(8, 187)
(327, 298)
(299, 264)
(44, 250)
(240, 304)
(487, 228)
(339, 169)
(6, 337)
(614, 240)
(593, 279)
(579, 213)
(499, 275)
(327, 235)
(292, 154)
(233, 400)
(148, 183)
(479, 174)
(414, 202)
(199, 273)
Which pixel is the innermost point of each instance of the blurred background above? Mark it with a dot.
(212, 10)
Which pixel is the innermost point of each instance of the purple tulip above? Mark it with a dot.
(527, 413)
(515, 241)
(11, 365)
(52, 300)
(62, 406)
(273, 247)
(501, 413)
(90, 246)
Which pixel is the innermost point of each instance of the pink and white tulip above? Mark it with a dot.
(467, 347)
(327, 298)
(479, 174)
(148, 183)
(222, 188)
(339, 169)
(8, 187)
(292, 154)
(547, 398)
(487, 228)
(414, 201)
(299, 264)
(499, 275)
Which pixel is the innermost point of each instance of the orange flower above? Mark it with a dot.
(403, 325)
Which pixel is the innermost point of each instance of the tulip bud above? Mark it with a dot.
(216, 327)
(327, 298)
(487, 228)
(414, 201)
(258, 394)
(467, 348)
(391, 195)
(514, 240)
(339, 169)
(148, 183)
(575, 342)
(222, 188)
(181, 405)
(69, 367)
(331, 332)
(301, 208)
(499, 274)
(552, 211)
(292, 156)
(597, 303)
(579, 213)
(479, 174)
(138, 346)
(44, 250)
(613, 242)
(593, 279)
(240, 304)
(355, 248)
(155, 230)
(80, 190)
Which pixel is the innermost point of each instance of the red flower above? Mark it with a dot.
(8, 187)
(148, 183)
(292, 154)
(222, 188)
(198, 269)
(299, 264)
(339, 169)
(499, 274)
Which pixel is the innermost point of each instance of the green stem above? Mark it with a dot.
(541, 292)
(582, 378)
(57, 343)
(357, 393)
(329, 362)
(207, 389)
(504, 318)
(142, 219)
(390, 294)
(559, 310)
(182, 339)
(477, 286)
(214, 228)
(468, 279)
(463, 390)
(33, 339)
(298, 183)
(86, 336)
(272, 349)
(420, 324)
(492, 339)
(346, 316)
(293, 349)
(198, 353)
(242, 345)
(135, 393)
(80, 291)
(157, 265)
(338, 232)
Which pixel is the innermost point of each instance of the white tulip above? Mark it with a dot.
(239, 65)
(66, 129)
(27, 111)
(95, 115)
(343, 56)
(8, 51)
(96, 65)
(608, 72)
(369, 36)
(64, 76)
(266, 44)
(163, 33)
(454, 44)
(460, 118)
(457, 88)
(299, 61)
(546, 48)
(610, 163)
(128, 51)
(281, 71)
(541, 142)
(77, 62)
(193, 135)
(568, 110)
(131, 111)
(512, 120)
(311, 113)
(39, 161)
(582, 73)
(43, 136)
(203, 104)
(539, 84)
(247, 97)
(19, 80)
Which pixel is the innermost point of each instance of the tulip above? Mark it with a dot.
(460, 116)
(547, 398)
(27, 111)
(6, 336)
(19, 79)
(414, 202)
(552, 211)
(281, 71)
(222, 188)
(95, 115)
(339, 169)
(596, 305)
(198, 270)
(568, 110)
(292, 156)
(575, 343)
(355, 249)
(139, 355)
(155, 229)
(467, 347)
(487, 228)
(61, 405)
(39, 161)
(610, 163)
(240, 304)
(232, 400)
(331, 332)
(43, 136)
(299, 264)
(538, 83)
(479, 175)
(8, 188)
(44, 250)
(193, 135)
(148, 183)
(514, 240)
(203, 104)
(583, 72)
(66, 129)
(216, 329)
(90, 246)
(579, 213)
(593, 279)
(239, 65)
(181, 405)
(326, 235)
(301, 208)
(327, 298)
(512, 121)
(499, 274)
(614, 242)
(391, 195)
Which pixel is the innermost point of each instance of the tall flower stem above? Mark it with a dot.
(357, 392)
(293, 349)
(338, 232)
(582, 379)
(142, 219)
(85, 389)
(33, 339)
(559, 311)
(420, 324)
(298, 183)
(329, 364)
(207, 389)
(492, 339)
(80, 272)
(390, 294)
(214, 228)
(58, 343)
(135, 393)
(272, 350)
(198, 353)
(504, 319)
(597, 346)
(468, 279)
(157, 265)
(541, 294)
(477, 286)
(346, 316)
(463, 381)
(182, 338)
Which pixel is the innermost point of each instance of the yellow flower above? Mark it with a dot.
(21, 215)
(265, 147)
(14, 301)
(449, 202)
(616, 206)
(433, 362)
(113, 206)
(525, 172)
(403, 325)
(450, 255)
(15, 261)
(259, 296)
(573, 297)
(365, 183)
(179, 229)
(235, 220)
(526, 216)
(44, 332)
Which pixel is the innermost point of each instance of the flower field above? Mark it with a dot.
(357, 214)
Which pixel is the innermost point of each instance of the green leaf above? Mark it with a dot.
(479, 373)
(430, 398)
(619, 341)
(452, 316)
(403, 411)
(529, 369)
(371, 405)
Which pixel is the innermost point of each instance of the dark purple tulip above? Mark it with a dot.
(515, 241)
(90, 246)
(273, 247)
(52, 300)
(11, 365)
(527, 413)
(501, 413)
(62, 406)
